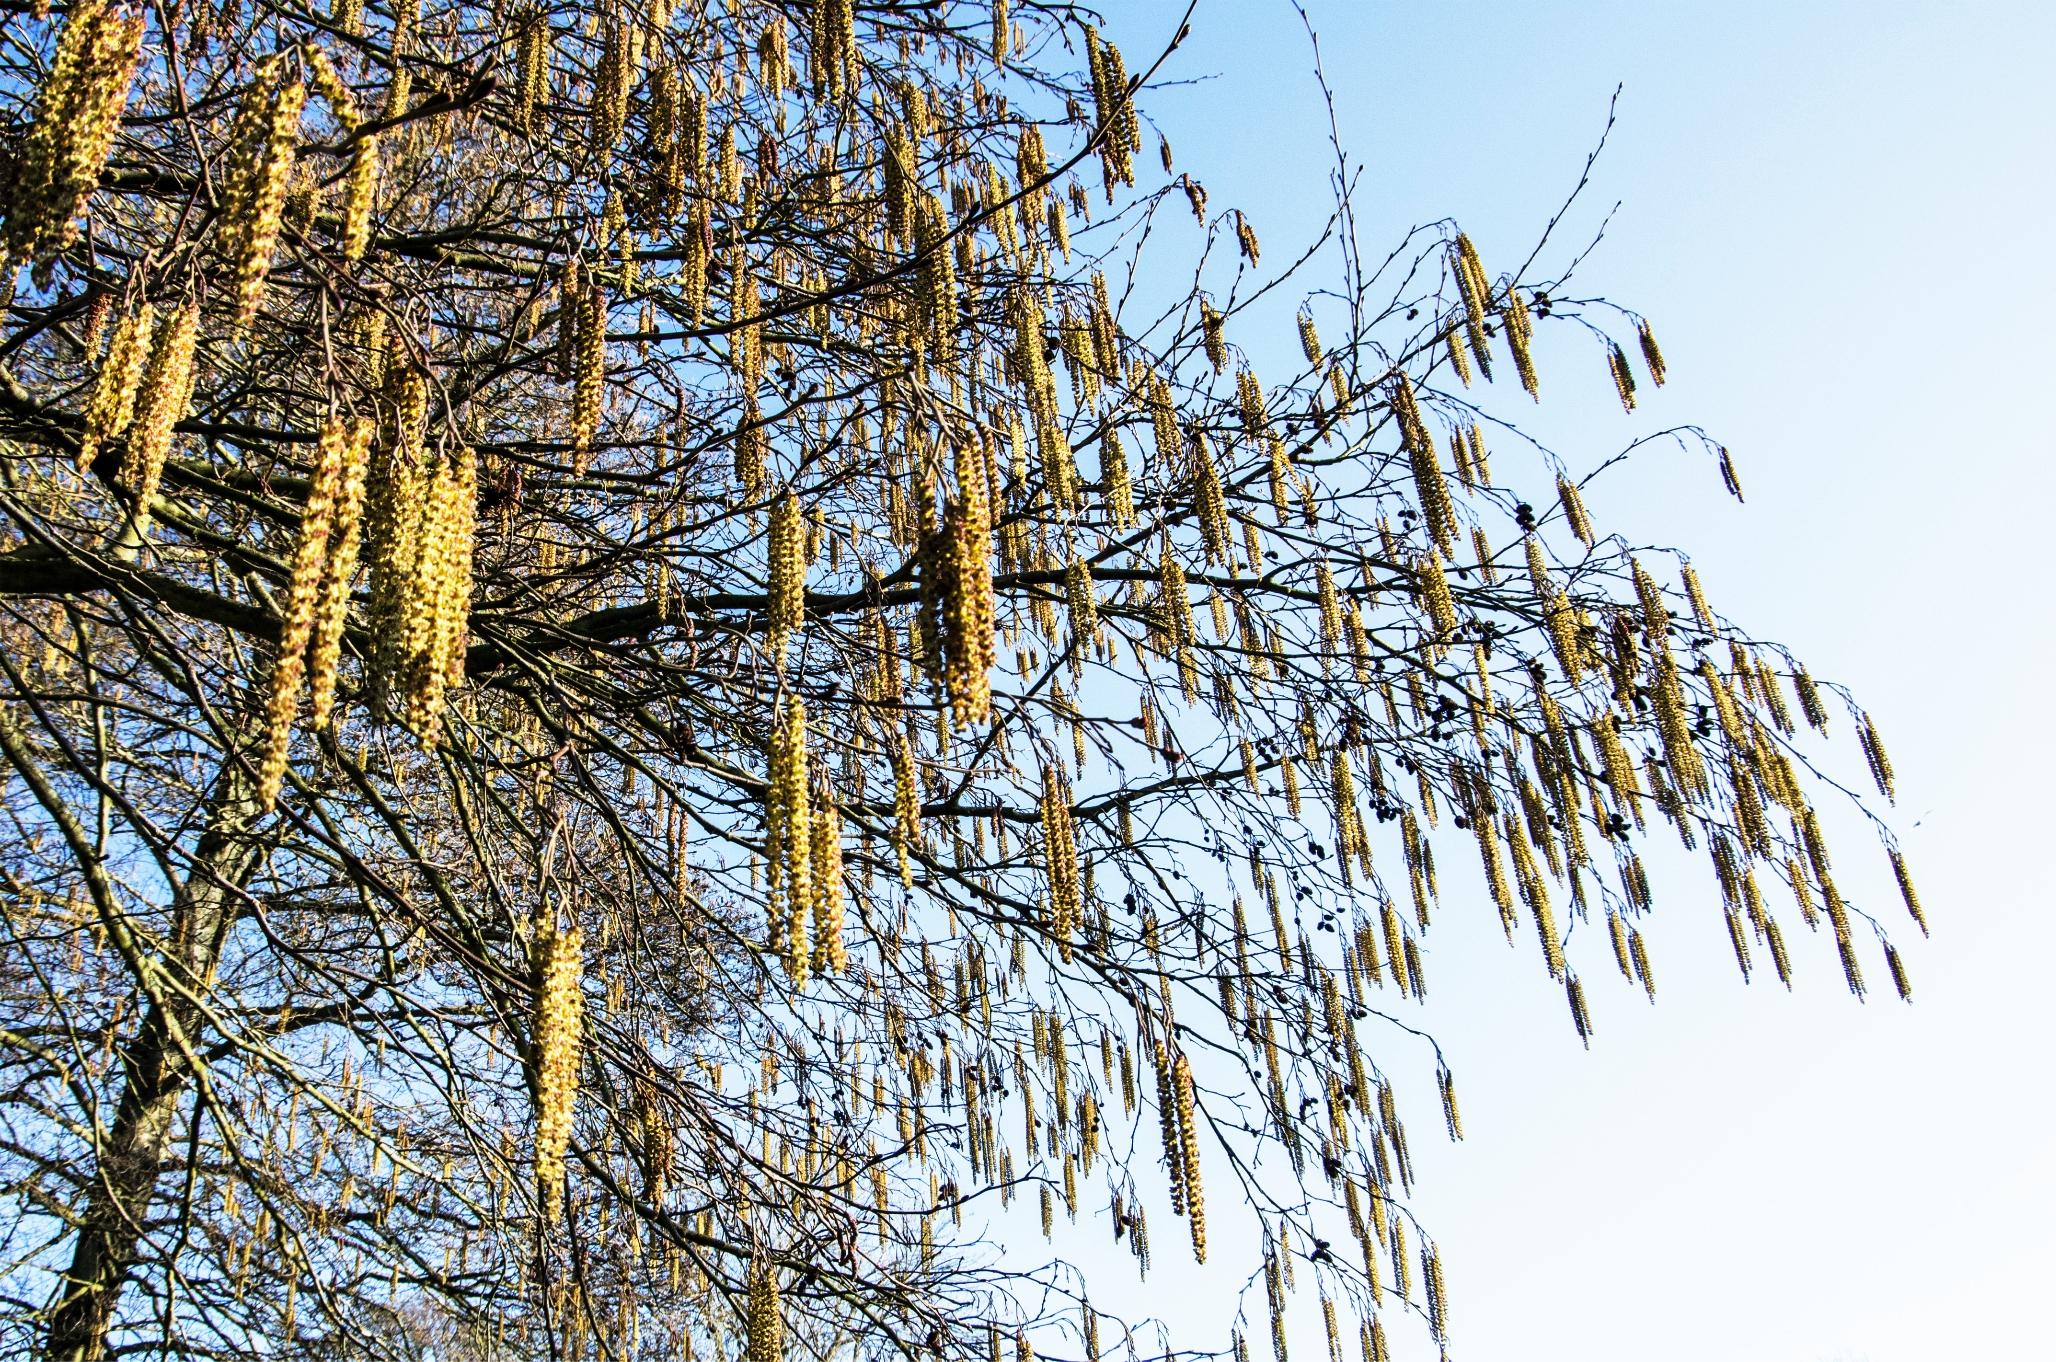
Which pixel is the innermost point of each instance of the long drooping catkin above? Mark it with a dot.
(589, 373)
(332, 601)
(1188, 1152)
(967, 603)
(789, 834)
(335, 486)
(831, 953)
(1060, 852)
(764, 1319)
(559, 1026)
(264, 141)
(788, 574)
(78, 111)
(114, 390)
(163, 401)
(360, 197)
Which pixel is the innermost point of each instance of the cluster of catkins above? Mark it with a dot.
(416, 512)
(318, 597)
(264, 144)
(559, 1025)
(803, 850)
(143, 390)
(78, 111)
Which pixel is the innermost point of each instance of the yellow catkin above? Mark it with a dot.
(1623, 376)
(1476, 291)
(360, 197)
(329, 498)
(165, 398)
(1520, 336)
(436, 601)
(1652, 354)
(831, 952)
(788, 574)
(764, 1321)
(1697, 596)
(559, 1027)
(78, 113)
(1060, 851)
(589, 373)
(1432, 488)
(1188, 1138)
(332, 602)
(532, 65)
(1081, 602)
(113, 402)
(788, 844)
(1906, 891)
(1434, 590)
(1213, 335)
(1309, 339)
(1574, 510)
(968, 608)
(265, 142)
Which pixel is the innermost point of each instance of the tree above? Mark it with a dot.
(652, 656)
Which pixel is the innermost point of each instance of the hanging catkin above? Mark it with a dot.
(114, 389)
(264, 143)
(559, 1025)
(589, 373)
(165, 398)
(788, 844)
(330, 515)
(764, 1319)
(788, 574)
(78, 112)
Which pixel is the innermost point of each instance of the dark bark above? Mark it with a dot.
(157, 1074)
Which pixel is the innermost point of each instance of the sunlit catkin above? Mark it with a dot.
(334, 486)
(78, 112)
(788, 844)
(164, 399)
(788, 574)
(332, 602)
(1623, 376)
(831, 952)
(360, 196)
(1081, 602)
(1060, 856)
(764, 1321)
(1574, 510)
(1429, 483)
(113, 401)
(1476, 292)
(1906, 890)
(265, 142)
(589, 373)
(968, 609)
(1188, 1153)
(1652, 354)
(559, 1028)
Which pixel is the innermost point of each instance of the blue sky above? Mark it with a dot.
(1835, 215)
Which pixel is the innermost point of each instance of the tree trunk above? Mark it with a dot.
(156, 1075)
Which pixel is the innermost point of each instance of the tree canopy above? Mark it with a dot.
(654, 656)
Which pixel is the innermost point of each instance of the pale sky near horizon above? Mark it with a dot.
(1837, 217)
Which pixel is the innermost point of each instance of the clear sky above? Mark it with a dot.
(1837, 216)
